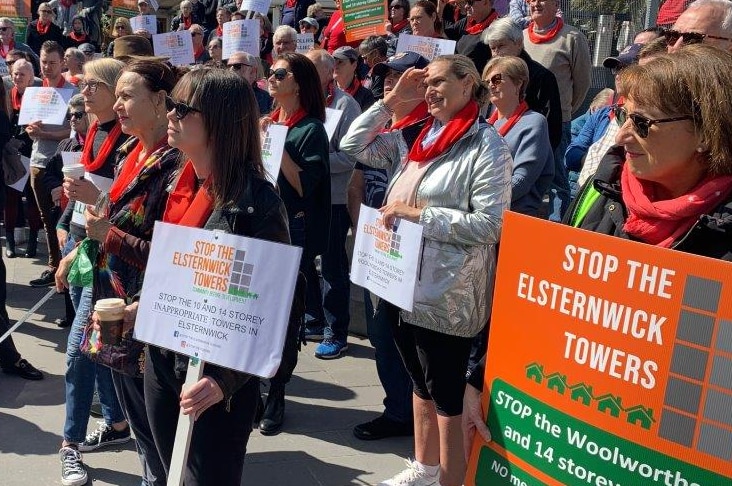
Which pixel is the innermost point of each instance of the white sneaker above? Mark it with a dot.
(412, 476)
(73, 472)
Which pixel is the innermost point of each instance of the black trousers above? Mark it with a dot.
(8, 353)
(220, 435)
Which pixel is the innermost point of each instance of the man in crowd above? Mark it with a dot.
(336, 284)
(284, 40)
(244, 65)
(705, 20)
(563, 50)
(45, 141)
(467, 31)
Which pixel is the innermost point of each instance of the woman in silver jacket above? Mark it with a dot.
(455, 181)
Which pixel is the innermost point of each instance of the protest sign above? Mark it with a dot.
(48, 105)
(332, 117)
(178, 46)
(385, 259)
(608, 363)
(260, 6)
(101, 183)
(273, 145)
(240, 36)
(124, 8)
(363, 18)
(429, 47)
(70, 158)
(222, 298)
(20, 12)
(20, 184)
(305, 42)
(145, 22)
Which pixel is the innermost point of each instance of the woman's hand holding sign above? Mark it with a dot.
(198, 398)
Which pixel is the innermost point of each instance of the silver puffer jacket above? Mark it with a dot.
(463, 194)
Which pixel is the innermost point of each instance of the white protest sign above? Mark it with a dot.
(305, 42)
(70, 158)
(273, 145)
(240, 36)
(49, 105)
(261, 6)
(222, 298)
(4, 71)
(20, 185)
(145, 22)
(332, 117)
(178, 46)
(429, 47)
(101, 183)
(385, 260)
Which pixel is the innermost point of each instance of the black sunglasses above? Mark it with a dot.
(279, 74)
(496, 79)
(238, 65)
(181, 109)
(75, 115)
(397, 7)
(4, 29)
(672, 36)
(642, 124)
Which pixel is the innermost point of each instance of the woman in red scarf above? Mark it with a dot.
(78, 34)
(670, 179)
(398, 18)
(43, 29)
(222, 185)
(454, 181)
(525, 131)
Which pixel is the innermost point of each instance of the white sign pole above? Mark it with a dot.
(184, 430)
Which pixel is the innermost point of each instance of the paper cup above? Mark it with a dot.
(111, 313)
(74, 171)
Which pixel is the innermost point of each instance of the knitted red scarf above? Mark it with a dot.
(16, 98)
(661, 223)
(474, 27)
(4, 51)
(60, 83)
(419, 112)
(451, 133)
(104, 150)
(351, 90)
(188, 205)
(219, 31)
(41, 28)
(537, 38)
(187, 22)
(395, 28)
(132, 165)
(291, 121)
(511, 121)
(78, 37)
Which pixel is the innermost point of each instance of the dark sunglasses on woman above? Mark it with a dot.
(75, 115)
(181, 109)
(279, 74)
(642, 124)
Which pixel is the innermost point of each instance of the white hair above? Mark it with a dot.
(503, 29)
(283, 32)
(725, 6)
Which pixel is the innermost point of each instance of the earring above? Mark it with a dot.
(701, 149)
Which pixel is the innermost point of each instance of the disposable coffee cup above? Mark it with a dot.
(111, 313)
(74, 171)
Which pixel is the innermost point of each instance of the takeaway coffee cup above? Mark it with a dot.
(74, 171)
(111, 313)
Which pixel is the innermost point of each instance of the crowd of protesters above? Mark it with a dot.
(450, 144)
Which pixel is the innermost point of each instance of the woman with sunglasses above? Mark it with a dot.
(200, 53)
(43, 29)
(304, 183)
(524, 130)
(120, 28)
(669, 181)
(454, 181)
(398, 22)
(222, 185)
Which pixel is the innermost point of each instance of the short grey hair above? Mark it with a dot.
(76, 101)
(322, 56)
(725, 6)
(8, 22)
(503, 29)
(284, 32)
(254, 61)
(374, 43)
(76, 54)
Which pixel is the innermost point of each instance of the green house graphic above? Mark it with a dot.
(640, 415)
(557, 382)
(535, 372)
(581, 393)
(609, 403)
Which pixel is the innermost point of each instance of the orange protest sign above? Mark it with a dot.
(609, 363)
(125, 8)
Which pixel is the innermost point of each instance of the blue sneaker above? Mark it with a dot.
(330, 349)
(313, 333)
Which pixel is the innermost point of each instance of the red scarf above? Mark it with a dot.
(219, 31)
(198, 52)
(78, 37)
(188, 206)
(661, 223)
(4, 51)
(131, 168)
(351, 90)
(16, 98)
(451, 133)
(419, 112)
(104, 150)
(329, 93)
(395, 28)
(537, 38)
(474, 27)
(187, 21)
(42, 29)
(511, 121)
(60, 83)
(289, 122)
(290, 3)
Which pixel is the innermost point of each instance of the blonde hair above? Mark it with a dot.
(121, 21)
(106, 70)
(512, 67)
(462, 66)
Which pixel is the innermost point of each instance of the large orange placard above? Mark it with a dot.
(609, 363)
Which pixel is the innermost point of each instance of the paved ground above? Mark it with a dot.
(325, 400)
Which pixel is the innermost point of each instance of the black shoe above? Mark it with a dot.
(9, 247)
(104, 436)
(62, 323)
(48, 277)
(32, 248)
(258, 414)
(381, 428)
(274, 412)
(25, 370)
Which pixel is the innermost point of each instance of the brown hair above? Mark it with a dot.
(157, 75)
(694, 81)
(430, 9)
(307, 79)
(512, 67)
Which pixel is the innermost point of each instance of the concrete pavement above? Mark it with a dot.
(324, 401)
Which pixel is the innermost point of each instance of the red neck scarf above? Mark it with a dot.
(4, 51)
(198, 52)
(511, 121)
(60, 83)
(451, 133)
(419, 112)
(77, 37)
(474, 27)
(16, 98)
(329, 93)
(104, 150)
(219, 31)
(661, 223)
(42, 29)
(395, 28)
(351, 90)
(187, 22)
(537, 38)
(131, 168)
(289, 122)
(188, 206)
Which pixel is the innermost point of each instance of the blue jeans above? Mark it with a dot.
(559, 189)
(81, 374)
(389, 364)
(336, 284)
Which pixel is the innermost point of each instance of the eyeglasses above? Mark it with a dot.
(238, 65)
(181, 109)
(75, 115)
(91, 84)
(641, 124)
(45, 11)
(194, 34)
(4, 29)
(396, 7)
(496, 79)
(279, 74)
(120, 27)
(672, 36)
